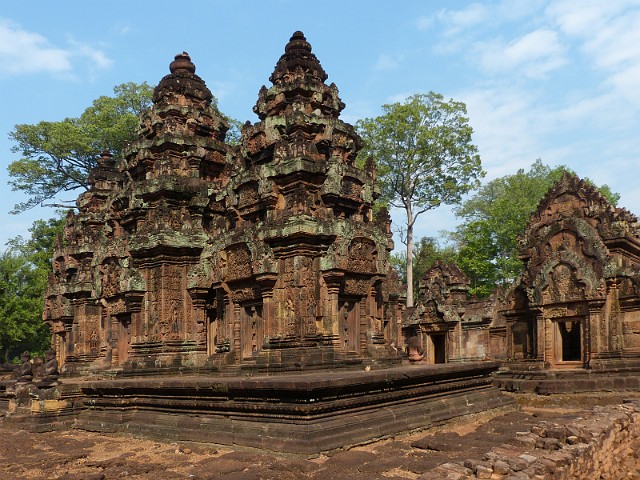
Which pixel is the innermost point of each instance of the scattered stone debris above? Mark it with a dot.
(574, 441)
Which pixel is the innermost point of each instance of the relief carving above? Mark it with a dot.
(361, 257)
(238, 262)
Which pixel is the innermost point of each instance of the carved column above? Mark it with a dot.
(540, 336)
(591, 341)
(331, 310)
(615, 327)
(509, 338)
(113, 340)
(267, 281)
(586, 341)
(363, 324)
(236, 331)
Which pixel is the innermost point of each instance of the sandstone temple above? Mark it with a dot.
(194, 253)
(575, 308)
(241, 293)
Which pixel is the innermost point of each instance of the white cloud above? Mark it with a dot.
(97, 58)
(505, 126)
(24, 52)
(456, 20)
(27, 52)
(399, 97)
(585, 116)
(608, 36)
(512, 10)
(586, 17)
(222, 89)
(535, 54)
(123, 29)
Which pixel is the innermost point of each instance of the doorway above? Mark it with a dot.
(349, 325)
(439, 347)
(569, 341)
(251, 330)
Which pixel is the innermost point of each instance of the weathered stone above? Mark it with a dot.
(447, 325)
(579, 289)
(483, 472)
(548, 443)
(190, 253)
(501, 467)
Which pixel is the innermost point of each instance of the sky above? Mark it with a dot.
(556, 80)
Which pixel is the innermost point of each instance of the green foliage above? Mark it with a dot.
(38, 249)
(399, 262)
(21, 303)
(58, 156)
(493, 218)
(24, 269)
(423, 151)
(424, 155)
(234, 132)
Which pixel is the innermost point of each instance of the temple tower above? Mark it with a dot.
(198, 254)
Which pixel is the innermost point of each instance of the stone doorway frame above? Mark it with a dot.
(558, 340)
(437, 350)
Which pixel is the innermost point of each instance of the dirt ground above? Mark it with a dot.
(79, 455)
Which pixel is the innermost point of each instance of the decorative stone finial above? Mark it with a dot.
(182, 63)
(106, 159)
(298, 60)
(298, 42)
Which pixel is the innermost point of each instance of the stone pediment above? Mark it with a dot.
(572, 199)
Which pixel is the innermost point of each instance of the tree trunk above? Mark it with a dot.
(409, 257)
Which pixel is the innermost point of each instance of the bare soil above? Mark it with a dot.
(80, 455)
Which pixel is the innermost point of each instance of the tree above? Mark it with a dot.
(425, 158)
(24, 269)
(493, 218)
(21, 325)
(58, 156)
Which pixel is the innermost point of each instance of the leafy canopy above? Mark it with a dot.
(58, 156)
(492, 219)
(24, 268)
(425, 158)
(423, 151)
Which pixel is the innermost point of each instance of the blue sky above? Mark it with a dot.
(556, 80)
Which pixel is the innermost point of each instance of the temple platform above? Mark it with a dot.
(303, 413)
(533, 377)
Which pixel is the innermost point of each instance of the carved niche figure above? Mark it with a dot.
(23, 372)
(414, 349)
(51, 372)
(37, 368)
(238, 262)
(362, 256)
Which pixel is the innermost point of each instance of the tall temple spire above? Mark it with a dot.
(298, 63)
(298, 84)
(182, 81)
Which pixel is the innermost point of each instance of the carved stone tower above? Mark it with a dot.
(191, 253)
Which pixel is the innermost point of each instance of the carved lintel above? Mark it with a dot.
(333, 279)
(134, 300)
(267, 282)
(199, 296)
